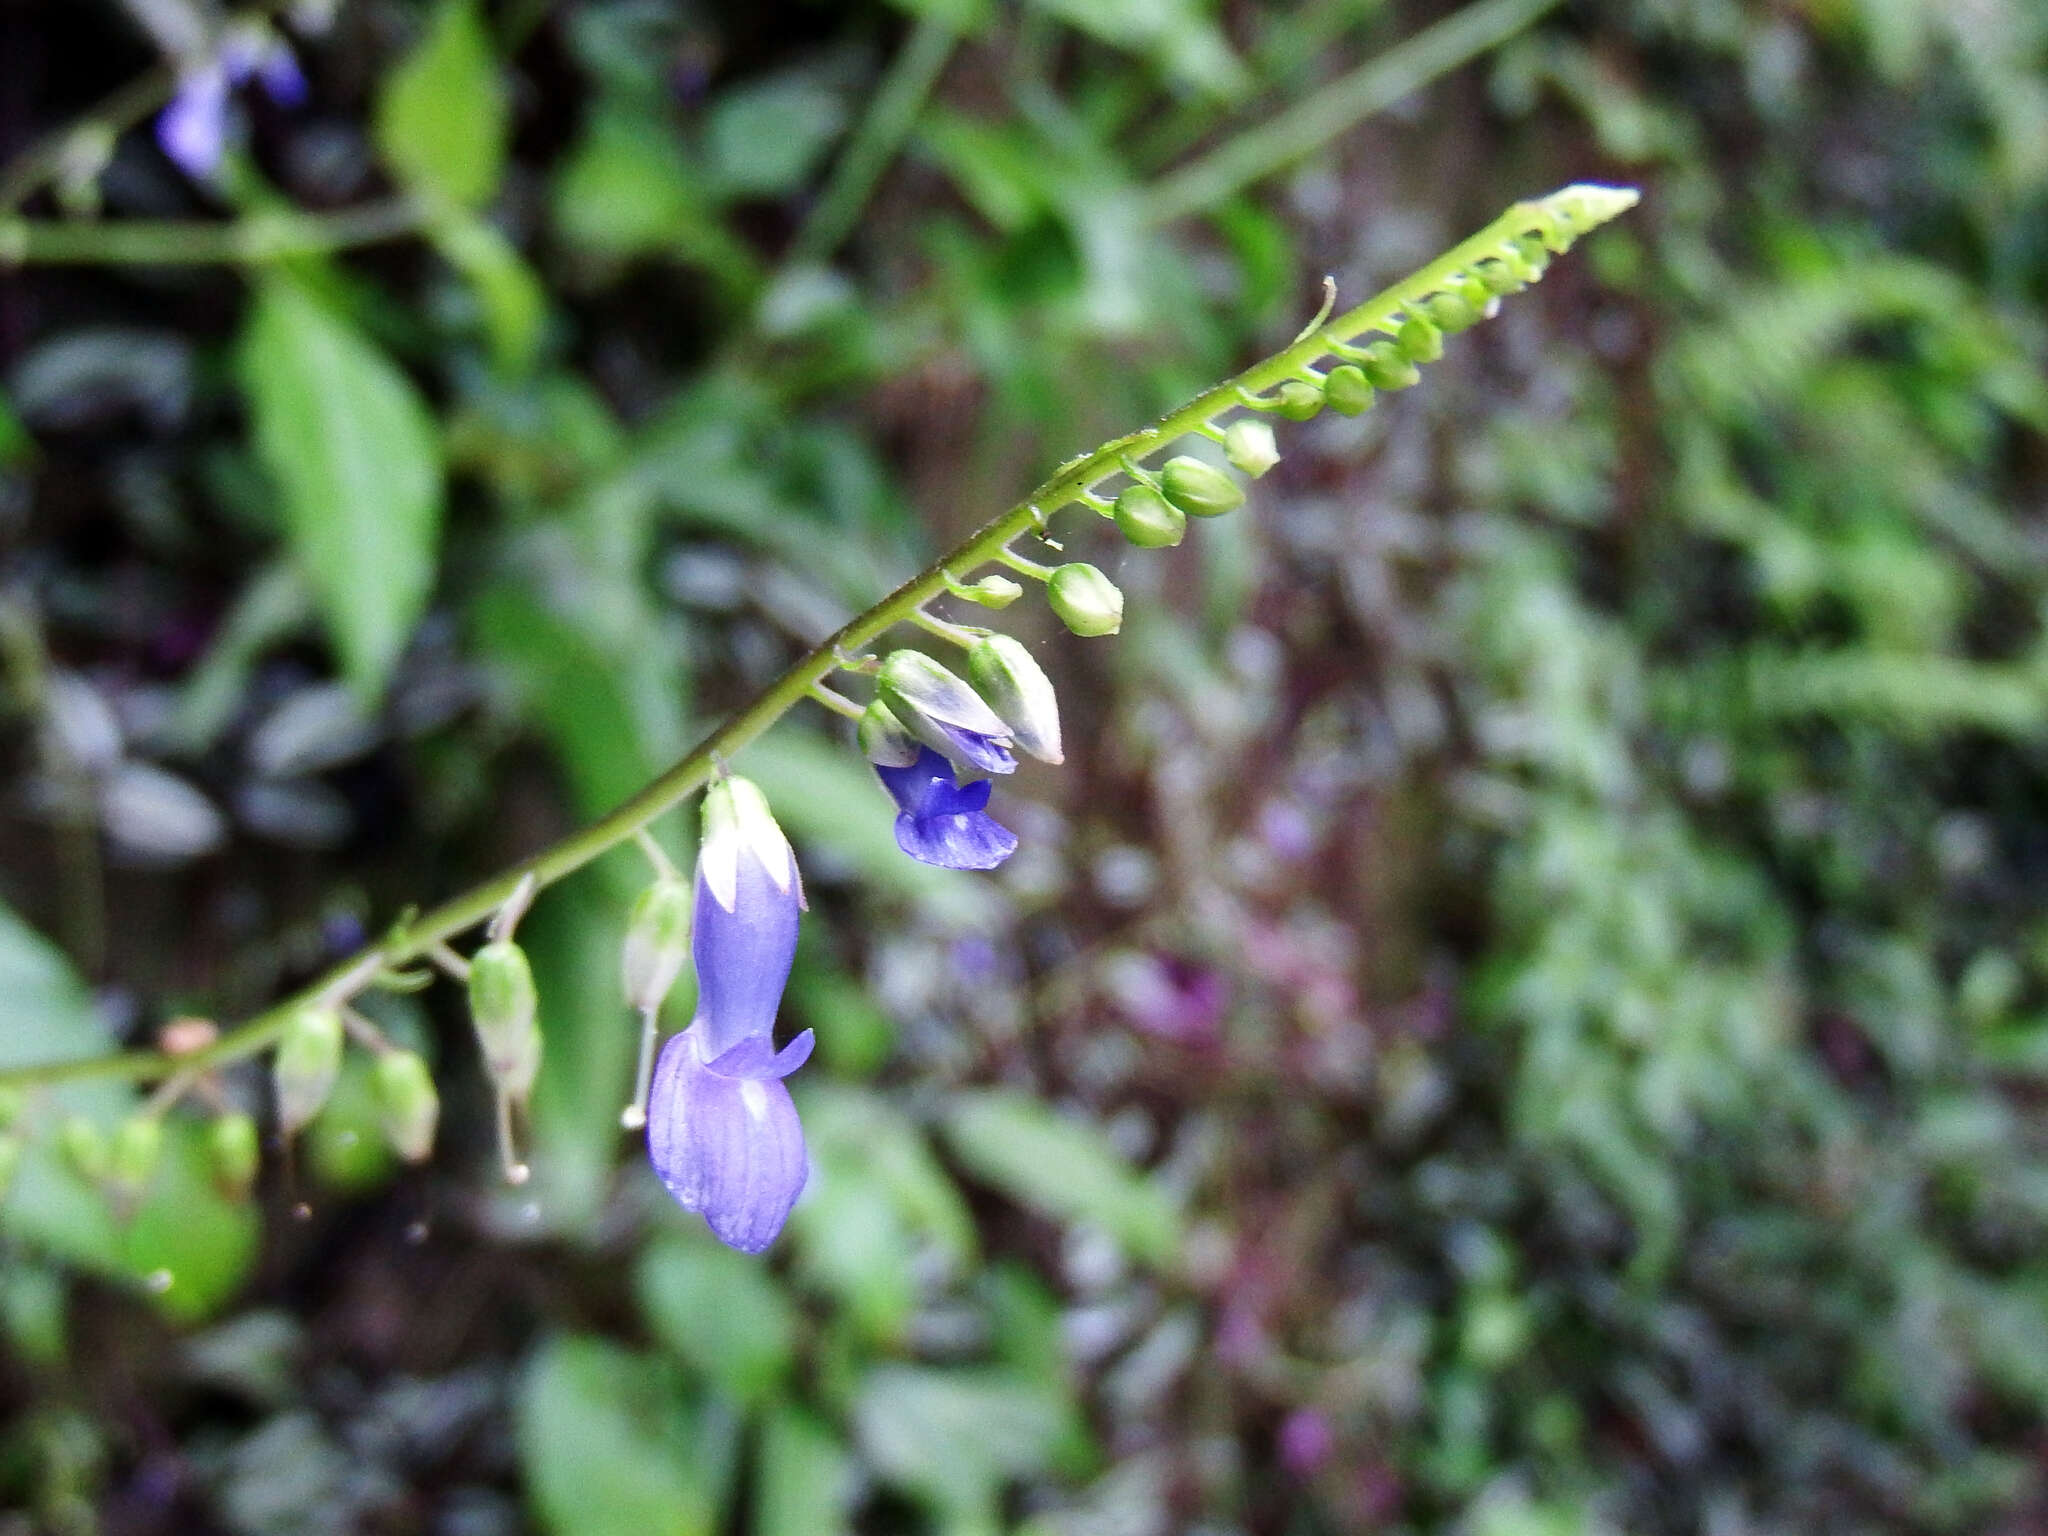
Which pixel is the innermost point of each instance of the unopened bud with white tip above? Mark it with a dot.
(1016, 688)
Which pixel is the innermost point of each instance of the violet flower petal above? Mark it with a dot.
(968, 840)
(743, 956)
(729, 1148)
(193, 129)
(757, 1060)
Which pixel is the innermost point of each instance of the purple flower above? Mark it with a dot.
(721, 1130)
(193, 129)
(941, 821)
(944, 713)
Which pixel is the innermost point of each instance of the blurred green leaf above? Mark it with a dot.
(443, 116)
(16, 446)
(955, 1437)
(1060, 1168)
(610, 1448)
(513, 301)
(352, 450)
(804, 1483)
(184, 1246)
(768, 136)
(719, 1311)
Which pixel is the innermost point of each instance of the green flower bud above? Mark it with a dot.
(233, 1154)
(83, 1146)
(1497, 279)
(503, 1006)
(1298, 401)
(1348, 390)
(408, 1108)
(657, 942)
(1419, 341)
(1386, 367)
(883, 739)
(1471, 287)
(1148, 519)
(1452, 312)
(1525, 258)
(308, 1060)
(992, 591)
(10, 1160)
(1199, 489)
(1017, 688)
(1248, 444)
(138, 1147)
(1086, 601)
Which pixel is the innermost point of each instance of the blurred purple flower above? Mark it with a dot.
(1167, 996)
(721, 1130)
(1306, 1442)
(193, 129)
(942, 821)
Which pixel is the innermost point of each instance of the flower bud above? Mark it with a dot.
(992, 591)
(1348, 390)
(503, 1006)
(1419, 341)
(233, 1153)
(1386, 366)
(138, 1147)
(1148, 519)
(307, 1062)
(944, 713)
(1085, 600)
(1249, 445)
(83, 1146)
(1525, 258)
(657, 942)
(1452, 312)
(1298, 401)
(1199, 489)
(1017, 688)
(883, 740)
(1497, 279)
(408, 1108)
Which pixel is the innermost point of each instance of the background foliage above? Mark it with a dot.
(1522, 1013)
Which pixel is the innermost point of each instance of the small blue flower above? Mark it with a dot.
(193, 129)
(721, 1130)
(942, 821)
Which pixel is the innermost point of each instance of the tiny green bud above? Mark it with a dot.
(83, 1146)
(1451, 312)
(1248, 444)
(10, 1160)
(1498, 279)
(992, 591)
(138, 1147)
(1148, 519)
(233, 1154)
(883, 739)
(503, 1006)
(408, 1108)
(1386, 367)
(1199, 489)
(1017, 688)
(1419, 341)
(1298, 401)
(657, 942)
(1086, 601)
(1525, 258)
(1348, 390)
(1471, 287)
(307, 1062)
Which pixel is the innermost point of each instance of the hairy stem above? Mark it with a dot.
(426, 933)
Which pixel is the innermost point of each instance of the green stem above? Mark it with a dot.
(890, 117)
(1306, 127)
(1586, 207)
(260, 237)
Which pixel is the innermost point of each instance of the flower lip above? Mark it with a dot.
(724, 1137)
(941, 821)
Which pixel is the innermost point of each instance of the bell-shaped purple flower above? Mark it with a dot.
(721, 1130)
(942, 821)
(193, 128)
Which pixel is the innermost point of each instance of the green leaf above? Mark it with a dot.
(719, 1311)
(351, 447)
(513, 301)
(954, 1437)
(768, 137)
(626, 189)
(443, 115)
(1061, 1168)
(185, 1246)
(804, 1484)
(610, 1448)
